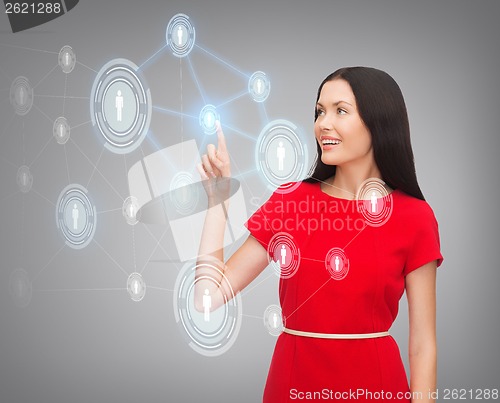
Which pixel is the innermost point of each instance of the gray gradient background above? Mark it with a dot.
(77, 342)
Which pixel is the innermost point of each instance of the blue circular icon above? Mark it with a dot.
(61, 130)
(208, 118)
(259, 86)
(76, 216)
(67, 59)
(120, 106)
(280, 155)
(209, 331)
(21, 95)
(24, 179)
(180, 35)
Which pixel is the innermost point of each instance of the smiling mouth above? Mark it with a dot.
(330, 142)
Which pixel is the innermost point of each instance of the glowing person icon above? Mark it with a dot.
(61, 130)
(337, 263)
(136, 287)
(180, 34)
(119, 105)
(207, 304)
(280, 154)
(66, 58)
(275, 320)
(75, 214)
(131, 210)
(24, 179)
(283, 255)
(209, 120)
(373, 202)
(259, 86)
(21, 95)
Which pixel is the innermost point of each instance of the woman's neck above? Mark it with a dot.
(348, 179)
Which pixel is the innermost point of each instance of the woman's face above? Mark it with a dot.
(339, 130)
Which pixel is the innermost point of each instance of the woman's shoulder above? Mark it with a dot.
(412, 207)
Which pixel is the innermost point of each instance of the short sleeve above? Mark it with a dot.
(267, 220)
(425, 246)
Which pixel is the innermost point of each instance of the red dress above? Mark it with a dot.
(356, 293)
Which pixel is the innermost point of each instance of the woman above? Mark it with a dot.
(354, 266)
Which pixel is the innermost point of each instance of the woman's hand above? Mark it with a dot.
(215, 163)
(248, 261)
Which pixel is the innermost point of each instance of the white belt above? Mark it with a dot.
(336, 335)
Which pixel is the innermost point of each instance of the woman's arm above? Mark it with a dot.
(421, 294)
(222, 280)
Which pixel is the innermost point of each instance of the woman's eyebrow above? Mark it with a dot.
(335, 103)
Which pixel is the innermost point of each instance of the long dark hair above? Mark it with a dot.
(382, 108)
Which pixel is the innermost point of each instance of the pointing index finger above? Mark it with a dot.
(220, 137)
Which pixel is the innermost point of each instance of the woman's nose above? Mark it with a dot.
(326, 122)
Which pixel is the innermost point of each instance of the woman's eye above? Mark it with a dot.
(341, 111)
(320, 112)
